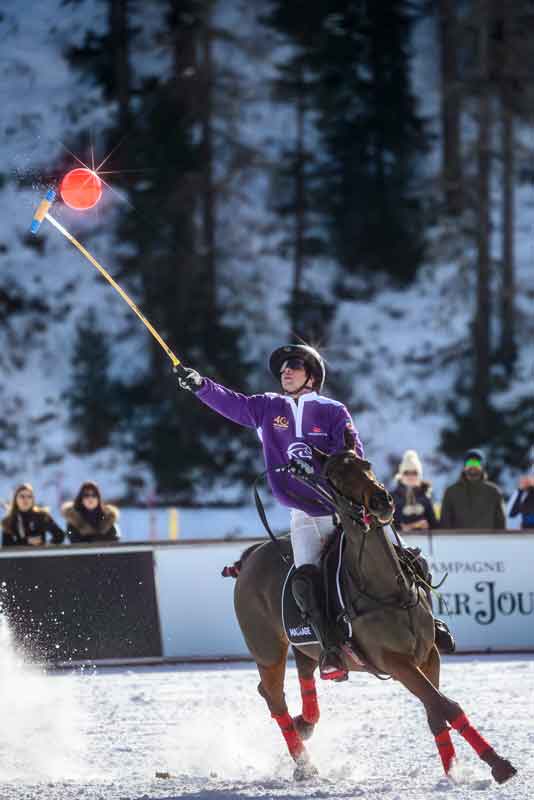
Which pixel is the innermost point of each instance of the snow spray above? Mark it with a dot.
(40, 718)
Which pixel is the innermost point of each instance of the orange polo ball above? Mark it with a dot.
(81, 189)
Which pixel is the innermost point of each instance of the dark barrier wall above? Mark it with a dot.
(83, 606)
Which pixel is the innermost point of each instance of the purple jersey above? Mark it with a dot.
(287, 429)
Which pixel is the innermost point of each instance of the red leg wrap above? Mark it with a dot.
(445, 749)
(310, 706)
(470, 734)
(290, 734)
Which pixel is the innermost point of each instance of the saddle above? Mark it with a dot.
(297, 631)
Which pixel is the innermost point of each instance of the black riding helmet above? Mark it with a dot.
(312, 359)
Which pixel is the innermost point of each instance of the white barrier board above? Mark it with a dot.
(196, 604)
(488, 597)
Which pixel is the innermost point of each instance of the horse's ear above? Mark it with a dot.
(349, 438)
(320, 455)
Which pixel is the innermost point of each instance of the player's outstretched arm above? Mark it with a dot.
(241, 408)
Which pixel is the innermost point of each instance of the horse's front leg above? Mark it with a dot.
(271, 688)
(436, 721)
(441, 710)
(308, 719)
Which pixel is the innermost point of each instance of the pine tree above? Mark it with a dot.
(450, 97)
(92, 395)
(493, 48)
(106, 56)
(171, 227)
(358, 56)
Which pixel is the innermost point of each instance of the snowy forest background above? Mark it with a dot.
(356, 173)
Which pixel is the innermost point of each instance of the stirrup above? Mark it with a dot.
(331, 667)
(443, 637)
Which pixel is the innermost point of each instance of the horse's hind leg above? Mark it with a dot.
(441, 710)
(308, 719)
(271, 688)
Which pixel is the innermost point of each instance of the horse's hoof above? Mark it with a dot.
(305, 729)
(503, 770)
(305, 771)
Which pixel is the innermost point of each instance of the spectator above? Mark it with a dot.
(413, 506)
(88, 519)
(473, 502)
(522, 502)
(27, 524)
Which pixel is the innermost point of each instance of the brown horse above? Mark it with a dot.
(392, 627)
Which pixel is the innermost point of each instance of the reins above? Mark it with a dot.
(260, 508)
(310, 480)
(400, 577)
(333, 498)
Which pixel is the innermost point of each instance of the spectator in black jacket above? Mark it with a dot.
(473, 501)
(26, 524)
(523, 501)
(90, 520)
(413, 507)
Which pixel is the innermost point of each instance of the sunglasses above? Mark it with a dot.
(25, 496)
(89, 494)
(474, 463)
(410, 472)
(293, 363)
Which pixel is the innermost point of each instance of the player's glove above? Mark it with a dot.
(300, 468)
(188, 378)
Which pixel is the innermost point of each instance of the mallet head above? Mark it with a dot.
(42, 210)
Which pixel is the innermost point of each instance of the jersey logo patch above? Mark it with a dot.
(316, 431)
(299, 450)
(281, 423)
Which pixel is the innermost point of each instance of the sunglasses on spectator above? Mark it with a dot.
(410, 472)
(293, 363)
(24, 496)
(473, 462)
(89, 494)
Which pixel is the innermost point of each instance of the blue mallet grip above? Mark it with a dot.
(42, 210)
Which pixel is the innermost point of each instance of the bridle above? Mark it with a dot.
(344, 506)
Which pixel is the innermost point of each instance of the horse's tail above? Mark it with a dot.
(233, 570)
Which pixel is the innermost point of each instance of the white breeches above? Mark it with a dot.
(308, 535)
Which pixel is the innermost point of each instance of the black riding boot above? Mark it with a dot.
(442, 635)
(306, 586)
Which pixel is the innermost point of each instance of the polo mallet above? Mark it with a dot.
(42, 214)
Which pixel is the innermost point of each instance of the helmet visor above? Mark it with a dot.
(293, 363)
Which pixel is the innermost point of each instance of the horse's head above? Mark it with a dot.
(354, 478)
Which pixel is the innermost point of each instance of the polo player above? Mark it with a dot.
(289, 425)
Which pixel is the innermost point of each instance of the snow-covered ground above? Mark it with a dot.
(102, 734)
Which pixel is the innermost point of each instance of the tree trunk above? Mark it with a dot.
(450, 108)
(509, 83)
(508, 341)
(119, 33)
(300, 212)
(208, 188)
(185, 196)
(481, 332)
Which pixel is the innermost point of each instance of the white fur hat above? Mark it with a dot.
(411, 463)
